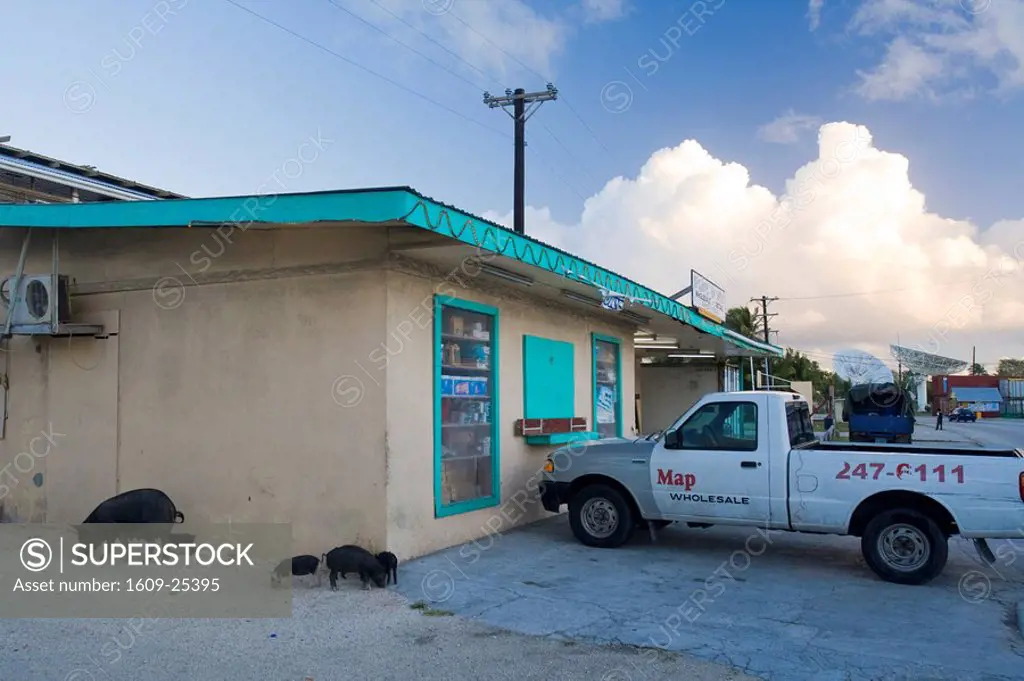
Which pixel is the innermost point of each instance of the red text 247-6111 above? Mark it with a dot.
(902, 471)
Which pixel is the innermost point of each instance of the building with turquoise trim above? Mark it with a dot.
(372, 366)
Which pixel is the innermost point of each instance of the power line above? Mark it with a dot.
(453, 73)
(579, 164)
(405, 45)
(345, 59)
(879, 292)
(516, 60)
(428, 37)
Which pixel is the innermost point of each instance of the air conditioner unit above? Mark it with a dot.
(39, 309)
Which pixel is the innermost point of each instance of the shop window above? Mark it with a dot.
(466, 461)
(607, 386)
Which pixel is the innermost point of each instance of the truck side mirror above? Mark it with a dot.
(674, 439)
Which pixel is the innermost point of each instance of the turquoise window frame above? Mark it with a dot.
(594, 338)
(442, 510)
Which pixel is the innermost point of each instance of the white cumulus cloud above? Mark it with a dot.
(850, 243)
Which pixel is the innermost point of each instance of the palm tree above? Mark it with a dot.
(743, 321)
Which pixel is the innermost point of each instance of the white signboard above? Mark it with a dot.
(707, 298)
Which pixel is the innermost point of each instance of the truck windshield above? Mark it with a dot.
(798, 418)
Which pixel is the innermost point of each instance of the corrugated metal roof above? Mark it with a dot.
(84, 177)
(977, 395)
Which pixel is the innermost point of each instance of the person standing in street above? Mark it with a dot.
(938, 419)
(829, 427)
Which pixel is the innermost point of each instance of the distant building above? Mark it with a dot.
(977, 393)
(28, 177)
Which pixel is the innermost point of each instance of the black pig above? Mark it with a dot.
(297, 566)
(137, 506)
(390, 563)
(345, 559)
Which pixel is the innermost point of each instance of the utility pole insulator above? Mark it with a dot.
(519, 99)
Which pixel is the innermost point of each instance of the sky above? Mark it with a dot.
(858, 159)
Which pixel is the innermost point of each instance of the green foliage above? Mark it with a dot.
(794, 366)
(1011, 367)
(744, 321)
(978, 370)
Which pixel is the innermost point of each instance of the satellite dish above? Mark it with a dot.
(859, 367)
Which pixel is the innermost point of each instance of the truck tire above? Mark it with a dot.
(904, 546)
(601, 517)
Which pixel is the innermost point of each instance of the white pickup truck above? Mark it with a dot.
(752, 458)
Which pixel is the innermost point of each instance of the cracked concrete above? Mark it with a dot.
(804, 608)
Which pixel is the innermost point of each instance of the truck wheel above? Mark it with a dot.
(904, 546)
(600, 516)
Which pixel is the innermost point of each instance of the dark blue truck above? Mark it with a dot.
(879, 412)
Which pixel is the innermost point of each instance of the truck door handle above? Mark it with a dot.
(750, 464)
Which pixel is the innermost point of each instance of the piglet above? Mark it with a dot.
(297, 566)
(345, 559)
(390, 563)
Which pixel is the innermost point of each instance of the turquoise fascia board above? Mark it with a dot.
(561, 438)
(442, 510)
(378, 205)
(490, 238)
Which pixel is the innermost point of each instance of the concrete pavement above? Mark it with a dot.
(780, 606)
(339, 636)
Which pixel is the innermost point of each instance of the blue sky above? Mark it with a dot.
(204, 98)
(216, 99)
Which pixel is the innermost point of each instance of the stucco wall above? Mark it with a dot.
(224, 400)
(413, 529)
(223, 388)
(667, 392)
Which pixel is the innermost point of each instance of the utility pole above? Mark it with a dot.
(519, 99)
(764, 300)
(974, 360)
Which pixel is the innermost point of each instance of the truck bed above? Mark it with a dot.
(874, 448)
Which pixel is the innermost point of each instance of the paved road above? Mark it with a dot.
(800, 608)
(988, 432)
(1004, 433)
(331, 637)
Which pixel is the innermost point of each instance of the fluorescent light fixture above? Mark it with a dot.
(506, 274)
(579, 298)
(697, 356)
(656, 347)
(633, 316)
